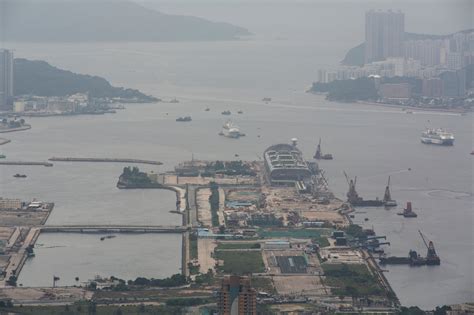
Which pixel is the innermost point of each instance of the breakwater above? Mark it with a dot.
(26, 163)
(106, 160)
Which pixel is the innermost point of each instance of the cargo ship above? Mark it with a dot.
(437, 136)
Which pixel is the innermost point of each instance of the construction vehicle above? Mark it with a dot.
(354, 199)
(387, 197)
(431, 256)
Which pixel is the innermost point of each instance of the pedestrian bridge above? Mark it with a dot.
(113, 228)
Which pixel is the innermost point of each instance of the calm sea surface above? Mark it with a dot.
(367, 141)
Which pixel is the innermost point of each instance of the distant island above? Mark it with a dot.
(39, 78)
(356, 55)
(92, 21)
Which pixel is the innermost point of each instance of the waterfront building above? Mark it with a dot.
(453, 83)
(432, 87)
(237, 297)
(10, 204)
(6, 79)
(322, 76)
(384, 34)
(19, 106)
(285, 165)
(395, 90)
(454, 60)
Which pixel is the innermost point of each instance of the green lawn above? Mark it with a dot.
(237, 246)
(239, 262)
(193, 246)
(351, 280)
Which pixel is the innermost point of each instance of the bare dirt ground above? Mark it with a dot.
(325, 215)
(309, 285)
(171, 179)
(204, 207)
(342, 255)
(205, 249)
(22, 218)
(24, 295)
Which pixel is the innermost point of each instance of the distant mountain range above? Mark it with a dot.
(356, 55)
(103, 20)
(41, 79)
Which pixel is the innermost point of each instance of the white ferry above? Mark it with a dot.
(437, 136)
(230, 130)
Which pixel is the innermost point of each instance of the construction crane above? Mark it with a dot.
(431, 256)
(352, 195)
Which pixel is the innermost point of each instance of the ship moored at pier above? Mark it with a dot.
(437, 136)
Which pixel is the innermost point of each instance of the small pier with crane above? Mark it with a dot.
(408, 212)
(387, 197)
(354, 199)
(413, 258)
(319, 153)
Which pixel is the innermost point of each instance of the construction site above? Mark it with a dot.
(278, 221)
(275, 220)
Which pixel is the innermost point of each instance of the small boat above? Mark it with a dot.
(266, 99)
(366, 219)
(2, 156)
(207, 109)
(184, 119)
(174, 100)
(226, 112)
(107, 237)
(240, 112)
(409, 112)
(19, 175)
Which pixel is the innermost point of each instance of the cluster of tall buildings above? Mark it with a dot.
(384, 35)
(6, 79)
(439, 61)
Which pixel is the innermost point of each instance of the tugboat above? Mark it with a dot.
(226, 112)
(408, 212)
(387, 198)
(437, 136)
(319, 154)
(184, 119)
(19, 175)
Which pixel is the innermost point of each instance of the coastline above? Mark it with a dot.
(4, 141)
(22, 128)
(424, 109)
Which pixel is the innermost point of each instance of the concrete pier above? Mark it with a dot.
(106, 160)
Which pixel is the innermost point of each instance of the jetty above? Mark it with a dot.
(106, 160)
(26, 163)
(113, 229)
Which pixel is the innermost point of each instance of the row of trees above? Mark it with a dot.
(214, 202)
